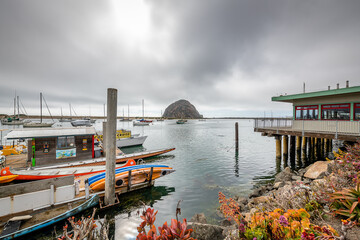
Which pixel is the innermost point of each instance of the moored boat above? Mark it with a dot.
(38, 174)
(52, 216)
(139, 174)
(7, 179)
(124, 138)
(37, 125)
(81, 122)
(181, 121)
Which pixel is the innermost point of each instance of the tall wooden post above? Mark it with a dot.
(236, 136)
(110, 146)
(278, 147)
(322, 152)
(316, 149)
(298, 151)
(285, 150)
(326, 147)
(304, 144)
(292, 151)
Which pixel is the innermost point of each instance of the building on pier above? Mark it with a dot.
(318, 119)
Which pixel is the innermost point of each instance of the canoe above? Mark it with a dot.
(137, 176)
(61, 213)
(95, 178)
(29, 175)
(6, 179)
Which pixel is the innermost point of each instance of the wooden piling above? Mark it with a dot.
(310, 150)
(236, 137)
(292, 151)
(129, 181)
(304, 152)
(278, 147)
(151, 174)
(322, 151)
(285, 149)
(110, 146)
(298, 151)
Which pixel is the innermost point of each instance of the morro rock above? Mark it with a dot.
(181, 109)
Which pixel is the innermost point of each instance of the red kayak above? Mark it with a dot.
(28, 175)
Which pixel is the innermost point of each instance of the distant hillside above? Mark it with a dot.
(181, 109)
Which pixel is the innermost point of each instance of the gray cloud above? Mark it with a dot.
(222, 56)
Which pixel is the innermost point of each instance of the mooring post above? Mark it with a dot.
(303, 157)
(316, 149)
(285, 149)
(236, 137)
(104, 138)
(151, 174)
(110, 146)
(129, 181)
(322, 152)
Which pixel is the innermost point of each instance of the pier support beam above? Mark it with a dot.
(292, 151)
(278, 148)
(311, 150)
(304, 152)
(285, 150)
(298, 151)
(110, 146)
(316, 149)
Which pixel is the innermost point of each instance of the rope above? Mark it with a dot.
(47, 107)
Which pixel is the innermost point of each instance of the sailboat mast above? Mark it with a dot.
(128, 112)
(40, 107)
(123, 113)
(70, 109)
(18, 106)
(143, 107)
(14, 106)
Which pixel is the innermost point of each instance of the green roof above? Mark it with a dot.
(326, 93)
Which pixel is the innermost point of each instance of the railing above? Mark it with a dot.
(315, 126)
(273, 123)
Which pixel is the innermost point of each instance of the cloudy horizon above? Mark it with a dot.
(228, 58)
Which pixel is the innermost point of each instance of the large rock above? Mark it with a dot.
(199, 218)
(181, 109)
(285, 175)
(206, 231)
(317, 170)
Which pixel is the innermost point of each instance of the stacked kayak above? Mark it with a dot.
(139, 174)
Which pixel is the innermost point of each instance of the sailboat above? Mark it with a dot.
(123, 119)
(161, 118)
(38, 124)
(62, 119)
(142, 122)
(13, 120)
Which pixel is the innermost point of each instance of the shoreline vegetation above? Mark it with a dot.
(321, 201)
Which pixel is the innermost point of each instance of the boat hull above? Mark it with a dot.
(129, 142)
(30, 175)
(22, 232)
(6, 179)
(37, 125)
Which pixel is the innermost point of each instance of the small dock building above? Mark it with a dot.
(49, 146)
(319, 118)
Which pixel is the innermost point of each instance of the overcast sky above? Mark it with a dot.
(227, 57)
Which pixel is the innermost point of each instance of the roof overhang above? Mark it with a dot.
(49, 132)
(292, 98)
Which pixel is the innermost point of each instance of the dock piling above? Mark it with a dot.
(292, 151)
(285, 149)
(151, 174)
(304, 145)
(110, 146)
(298, 151)
(129, 181)
(236, 136)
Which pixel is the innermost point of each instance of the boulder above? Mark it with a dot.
(317, 170)
(285, 175)
(206, 231)
(181, 109)
(199, 218)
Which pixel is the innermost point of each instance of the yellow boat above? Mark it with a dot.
(6, 179)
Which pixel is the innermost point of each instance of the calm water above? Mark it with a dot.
(205, 163)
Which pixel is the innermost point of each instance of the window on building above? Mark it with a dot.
(357, 111)
(66, 142)
(310, 112)
(335, 112)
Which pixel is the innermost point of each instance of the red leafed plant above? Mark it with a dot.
(177, 230)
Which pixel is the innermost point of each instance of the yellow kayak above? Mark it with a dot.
(6, 179)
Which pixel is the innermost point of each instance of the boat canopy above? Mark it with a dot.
(49, 132)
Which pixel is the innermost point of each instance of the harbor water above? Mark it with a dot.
(205, 161)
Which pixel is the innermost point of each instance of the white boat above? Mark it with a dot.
(141, 123)
(81, 122)
(131, 141)
(37, 125)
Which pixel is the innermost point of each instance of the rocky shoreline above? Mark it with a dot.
(281, 192)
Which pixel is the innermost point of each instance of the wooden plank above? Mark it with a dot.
(22, 188)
